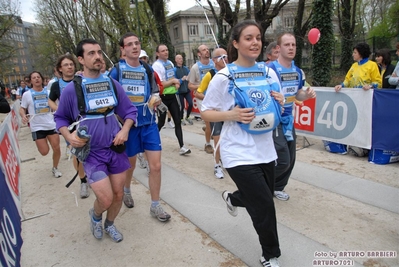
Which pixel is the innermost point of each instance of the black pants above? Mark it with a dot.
(255, 185)
(189, 100)
(173, 105)
(286, 152)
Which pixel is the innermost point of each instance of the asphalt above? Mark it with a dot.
(205, 209)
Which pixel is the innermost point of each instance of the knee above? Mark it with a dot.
(44, 152)
(105, 202)
(155, 167)
(118, 196)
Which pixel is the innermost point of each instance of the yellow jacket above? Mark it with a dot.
(361, 73)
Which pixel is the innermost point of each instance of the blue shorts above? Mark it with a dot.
(101, 163)
(143, 138)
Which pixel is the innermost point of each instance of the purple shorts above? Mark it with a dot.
(101, 163)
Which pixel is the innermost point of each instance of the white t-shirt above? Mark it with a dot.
(159, 68)
(237, 147)
(39, 122)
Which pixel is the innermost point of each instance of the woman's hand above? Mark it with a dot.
(243, 115)
(338, 87)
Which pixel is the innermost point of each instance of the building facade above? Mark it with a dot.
(21, 36)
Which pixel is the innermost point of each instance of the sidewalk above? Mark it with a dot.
(322, 215)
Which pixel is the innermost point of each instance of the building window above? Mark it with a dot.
(192, 30)
(289, 22)
(208, 29)
(176, 32)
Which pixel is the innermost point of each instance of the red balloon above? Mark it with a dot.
(314, 35)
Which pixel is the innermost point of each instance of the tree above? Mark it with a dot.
(264, 16)
(346, 10)
(9, 11)
(384, 31)
(300, 28)
(322, 51)
(157, 8)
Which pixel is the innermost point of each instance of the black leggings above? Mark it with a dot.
(189, 100)
(173, 105)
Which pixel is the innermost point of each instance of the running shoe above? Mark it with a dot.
(159, 213)
(273, 262)
(142, 161)
(219, 172)
(184, 151)
(96, 227)
(183, 122)
(208, 148)
(84, 190)
(281, 195)
(189, 121)
(56, 172)
(171, 124)
(230, 208)
(114, 233)
(128, 200)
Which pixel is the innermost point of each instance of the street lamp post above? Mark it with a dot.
(135, 4)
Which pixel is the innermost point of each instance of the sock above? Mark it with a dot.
(207, 143)
(97, 218)
(154, 203)
(169, 119)
(108, 223)
(126, 190)
(83, 180)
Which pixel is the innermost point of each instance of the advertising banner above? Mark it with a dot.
(343, 117)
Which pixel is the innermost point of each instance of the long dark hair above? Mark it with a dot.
(235, 36)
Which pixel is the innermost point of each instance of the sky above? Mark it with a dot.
(28, 14)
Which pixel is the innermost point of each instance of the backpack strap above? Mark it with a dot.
(77, 81)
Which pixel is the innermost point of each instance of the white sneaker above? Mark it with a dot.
(218, 172)
(142, 161)
(84, 190)
(273, 262)
(171, 124)
(230, 208)
(68, 153)
(56, 172)
(281, 195)
(184, 151)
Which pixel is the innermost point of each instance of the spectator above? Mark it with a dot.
(383, 59)
(4, 106)
(364, 72)
(394, 79)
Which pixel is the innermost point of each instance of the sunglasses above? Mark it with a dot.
(224, 56)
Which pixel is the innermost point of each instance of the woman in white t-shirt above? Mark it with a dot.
(35, 110)
(246, 142)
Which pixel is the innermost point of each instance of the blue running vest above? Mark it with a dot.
(251, 88)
